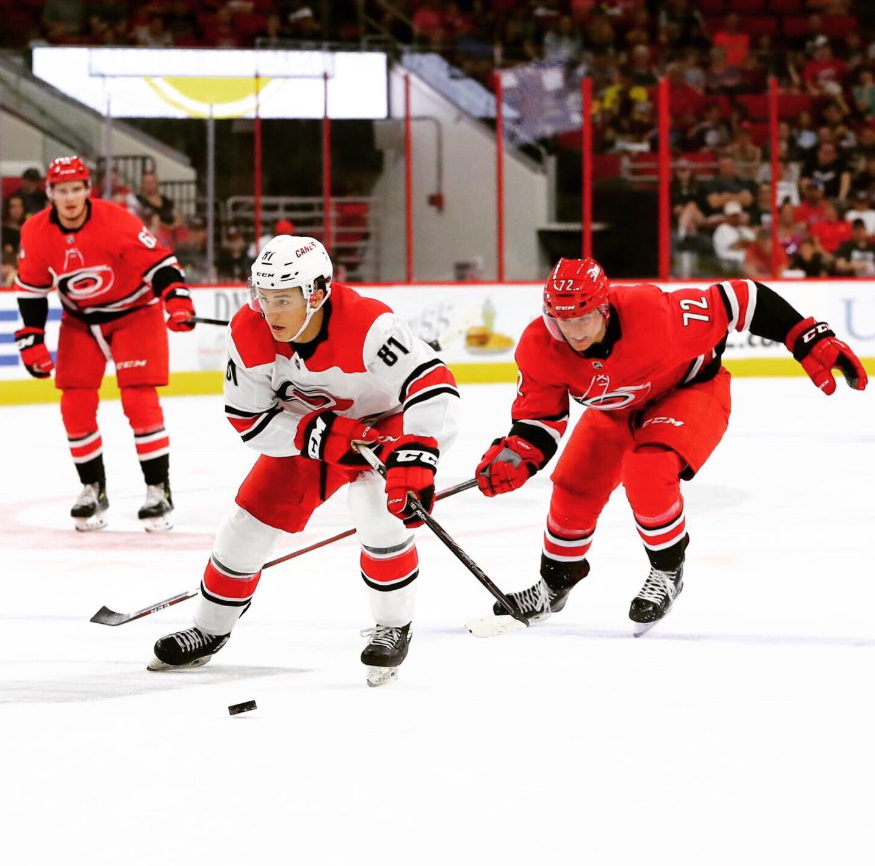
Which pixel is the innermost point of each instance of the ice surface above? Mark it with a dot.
(739, 731)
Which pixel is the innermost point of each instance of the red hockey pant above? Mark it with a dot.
(649, 452)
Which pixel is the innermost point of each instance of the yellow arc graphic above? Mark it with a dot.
(229, 97)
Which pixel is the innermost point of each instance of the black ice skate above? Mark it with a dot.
(186, 649)
(385, 651)
(663, 585)
(550, 593)
(89, 512)
(156, 510)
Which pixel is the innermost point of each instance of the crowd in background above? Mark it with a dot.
(716, 55)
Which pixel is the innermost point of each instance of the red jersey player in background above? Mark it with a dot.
(114, 280)
(647, 366)
(313, 370)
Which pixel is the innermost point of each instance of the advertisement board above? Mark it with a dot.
(478, 326)
(179, 83)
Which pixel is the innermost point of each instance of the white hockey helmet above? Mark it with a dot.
(292, 262)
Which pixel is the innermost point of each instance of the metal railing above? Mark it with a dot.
(354, 227)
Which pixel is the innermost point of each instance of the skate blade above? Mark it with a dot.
(493, 626)
(89, 524)
(639, 629)
(157, 524)
(380, 676)
(157, 665)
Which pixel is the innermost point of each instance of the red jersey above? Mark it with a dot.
(655, 341)
(101, 270)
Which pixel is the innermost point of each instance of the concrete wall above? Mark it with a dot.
(466, 229)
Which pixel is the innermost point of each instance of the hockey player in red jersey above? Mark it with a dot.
(647, 366)
(313, 370)
(115, 281)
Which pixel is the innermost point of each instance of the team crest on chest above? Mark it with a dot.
(311, 399)
(86, 284)
(600, 395)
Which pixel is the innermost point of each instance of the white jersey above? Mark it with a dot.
(365, 364)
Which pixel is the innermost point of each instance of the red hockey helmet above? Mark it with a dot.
(574, 288)
(67, 168)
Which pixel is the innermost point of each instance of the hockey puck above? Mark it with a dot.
(245, 707)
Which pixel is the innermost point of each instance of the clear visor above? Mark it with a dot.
(552, 323)
(274, 300)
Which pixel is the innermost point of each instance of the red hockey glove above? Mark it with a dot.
(31, 342)
(819, 351)
(180, 309)
(410, 468)
(507, 465)
(327, 436)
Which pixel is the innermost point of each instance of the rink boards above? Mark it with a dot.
(477, 324)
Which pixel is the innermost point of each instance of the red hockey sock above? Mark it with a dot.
(79, 413)
(229, 588)
(651, 476)
(389, 568)
(144, 413)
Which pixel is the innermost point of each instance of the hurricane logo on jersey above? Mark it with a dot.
(312, 399)
(86, 284)
(600, 396)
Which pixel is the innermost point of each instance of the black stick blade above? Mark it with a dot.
(105, 616)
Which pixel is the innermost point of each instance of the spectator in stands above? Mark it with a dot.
(302, 22)
(832, 231)
(804, 137)
(853, 52)
(836, 115)
(856, 257)
(824, 75)
(790, 232)
(191, 251)
(687, 200)
(758, 257)
(428, 23)
(761, 210)
(153, 35)
(63, 19)
(153, 201)
(733, 40)
(682, 98)
(721, 77)
(861, 209)
(711, 133)
(274, 34)
(809, 260)
(222, 33)
(694, 74)
(829, 169)
(865, 179)
(865, 149)
(13, 219)
(599, 35)
(728, 187)
(281, 227)
(232, 263)
(31, 191)
(641, 71)
(681, 25)
(746, 154)
(562, 43)
(813, 35)
(813, 207)
(8, 268)
(640, 30)
(864, 93)
(731, 239)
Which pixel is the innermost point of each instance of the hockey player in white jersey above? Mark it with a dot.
(313, 369)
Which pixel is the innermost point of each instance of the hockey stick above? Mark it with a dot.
(107, 616)
(200, 320)
(483, 627)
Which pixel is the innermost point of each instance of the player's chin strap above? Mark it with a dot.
(311, 311)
